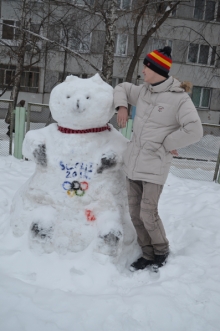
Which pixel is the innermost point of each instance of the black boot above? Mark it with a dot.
(159, 261)
(140, 264)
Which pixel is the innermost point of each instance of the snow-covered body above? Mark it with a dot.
(77, 195)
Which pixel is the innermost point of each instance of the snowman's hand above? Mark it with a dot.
(40, 155)
(33, 139)
(108, 160)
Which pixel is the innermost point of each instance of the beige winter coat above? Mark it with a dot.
(166, 119)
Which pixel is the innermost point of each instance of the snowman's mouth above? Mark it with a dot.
(79, 110)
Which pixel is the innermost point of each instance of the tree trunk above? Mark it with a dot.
(154, 28)
(109, 49)
(64, 66)
(132, 65)
(20, 60)
(18, 73)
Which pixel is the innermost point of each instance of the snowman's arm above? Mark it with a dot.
(113, 158)
(108, 161)
(34, 147)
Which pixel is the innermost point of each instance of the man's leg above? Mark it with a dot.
(135, 192)
(151, 219)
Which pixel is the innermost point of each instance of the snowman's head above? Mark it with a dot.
(82, 103)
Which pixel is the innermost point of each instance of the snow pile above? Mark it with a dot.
(73, 292)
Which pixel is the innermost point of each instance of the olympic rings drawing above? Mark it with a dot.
(75, 188)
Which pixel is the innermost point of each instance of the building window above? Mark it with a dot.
(10, 32)
(160, 43)
(201, 54)
(7, 73)
(81, 44)
(201, 96)
(36, 28)
(121, 44)
(30, 79)
(173, 13)
(83, 2)
(161, 6)
(116, 81)
(124, 4)
(218, 12)
(75, 41)
(207, 10)
(8, 77)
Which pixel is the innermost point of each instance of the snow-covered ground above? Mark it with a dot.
(74, 293)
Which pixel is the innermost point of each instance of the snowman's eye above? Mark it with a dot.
(87, 97)
(68, 96)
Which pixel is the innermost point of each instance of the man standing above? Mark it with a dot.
(165, 120)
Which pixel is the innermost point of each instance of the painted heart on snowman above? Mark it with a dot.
(76, 198)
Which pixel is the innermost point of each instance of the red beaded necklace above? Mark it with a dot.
(66, 130)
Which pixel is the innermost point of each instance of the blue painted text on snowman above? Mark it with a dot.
(78, 170)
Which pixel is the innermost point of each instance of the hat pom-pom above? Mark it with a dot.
(167, 50)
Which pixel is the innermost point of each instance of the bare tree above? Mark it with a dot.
(27, 50)
(101, 12)
(67, 16)
(154, 14)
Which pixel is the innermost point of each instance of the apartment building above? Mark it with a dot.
(192, 30)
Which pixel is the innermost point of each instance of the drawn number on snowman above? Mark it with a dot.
(80, 170)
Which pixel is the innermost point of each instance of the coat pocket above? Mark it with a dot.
(151, 161)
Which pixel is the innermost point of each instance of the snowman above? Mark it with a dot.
(76, 197)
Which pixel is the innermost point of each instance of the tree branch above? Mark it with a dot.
(61, 46)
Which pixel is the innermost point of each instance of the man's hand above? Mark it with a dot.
(174, 152)
(122, 117)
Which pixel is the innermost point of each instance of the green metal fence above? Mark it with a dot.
(38, 116)
(5, 138)
(34, 117)
(201, 157)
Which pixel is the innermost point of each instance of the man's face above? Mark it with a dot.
(149, 75)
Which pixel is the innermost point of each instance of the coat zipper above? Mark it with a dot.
(140, 136)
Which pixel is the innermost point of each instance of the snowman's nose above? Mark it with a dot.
(77, 104)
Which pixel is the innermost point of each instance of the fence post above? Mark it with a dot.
(217, 169)
(20, 114)
(12, 124)
(28, 117)
(126, 132)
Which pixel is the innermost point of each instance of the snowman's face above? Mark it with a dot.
(82, 103)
